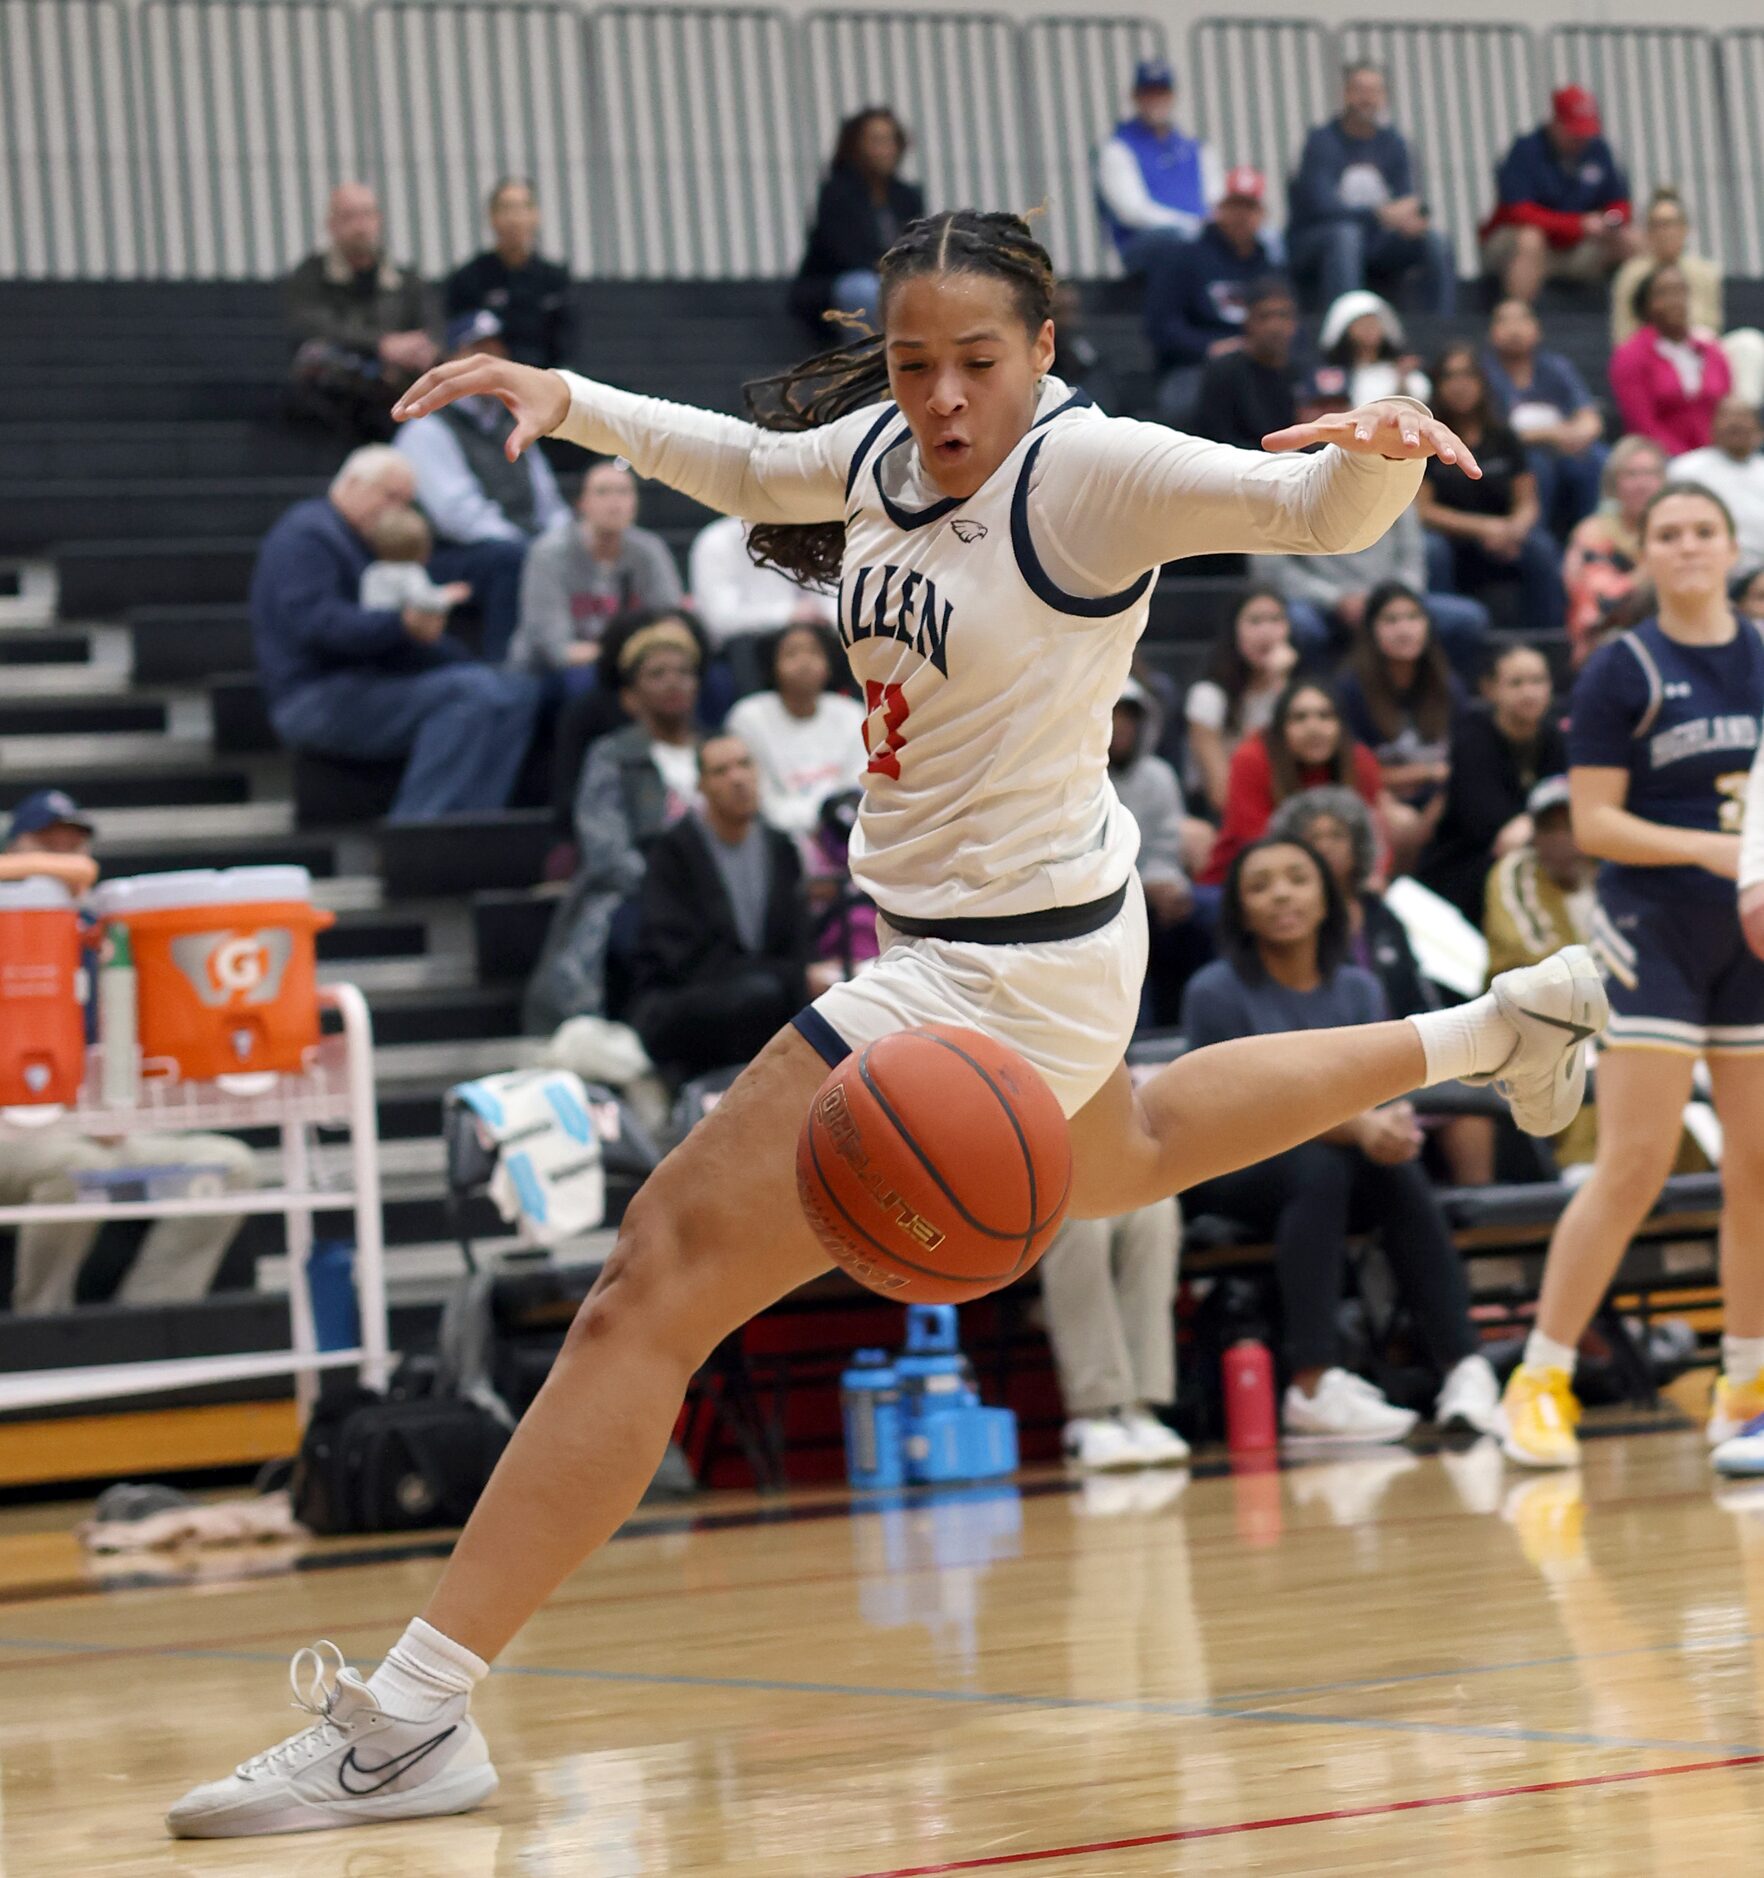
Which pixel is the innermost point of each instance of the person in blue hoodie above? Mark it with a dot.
(1355, 211)
(1155, 184)
(1194, 308)
(369, 683)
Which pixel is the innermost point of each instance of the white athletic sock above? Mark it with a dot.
(1543, 1352)
(1464, 1039)
(424, 1673)
(1741, 1358)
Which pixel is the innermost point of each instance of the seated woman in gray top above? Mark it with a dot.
(1283, 933)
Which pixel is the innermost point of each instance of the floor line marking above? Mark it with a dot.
(1274, 1823)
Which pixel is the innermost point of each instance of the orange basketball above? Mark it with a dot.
(935, 1166)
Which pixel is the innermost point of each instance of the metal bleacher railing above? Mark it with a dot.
(187, 139)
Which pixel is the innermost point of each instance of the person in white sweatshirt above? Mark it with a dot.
(807, 740)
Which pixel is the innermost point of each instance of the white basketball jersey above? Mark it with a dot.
(990, 692)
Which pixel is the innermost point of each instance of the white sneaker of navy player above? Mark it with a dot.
(1343, 1408)
(1743, 1453)
(1470, 1397)
(1557, 1006)
(356, 1765)
(1100, 1444)
(1158, 1445)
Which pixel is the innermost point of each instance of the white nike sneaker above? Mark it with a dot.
(1158, 1445)
(1557, 1007)
(1470, 1398)
(1345, 1408)
(354, 1766)
(1100, 1444)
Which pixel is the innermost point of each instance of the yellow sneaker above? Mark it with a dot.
(1735, 1404)
(1541, 1413)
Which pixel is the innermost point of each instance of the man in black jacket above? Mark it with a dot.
(1246, 393)
(528, 294)
(723, 943)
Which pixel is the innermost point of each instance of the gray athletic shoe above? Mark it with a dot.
(1556, 1007)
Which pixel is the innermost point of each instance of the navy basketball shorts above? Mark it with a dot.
(1680, 975)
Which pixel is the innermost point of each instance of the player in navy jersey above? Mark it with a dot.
(1663, 728)
(1004, 537)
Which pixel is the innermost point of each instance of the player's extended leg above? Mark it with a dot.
(1641, 1098)
(715, 1235)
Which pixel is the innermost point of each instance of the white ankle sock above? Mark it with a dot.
(1464, 1039)
(1543, 1352)
(1741, 1358)
(424, 1672)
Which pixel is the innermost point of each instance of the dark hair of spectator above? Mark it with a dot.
(834, 384)
(620, 631)
(1280, 757)
(1226, 665)
(1268, 287)
(1430, 698)
(1342, 352)
(845, 148)
(823, 636)
(511, 182)
(1701, 491)
(1491, 665)
(1644, 289)
(1238, 943)
(1483, 415)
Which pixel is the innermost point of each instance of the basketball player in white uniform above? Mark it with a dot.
(1000, 541)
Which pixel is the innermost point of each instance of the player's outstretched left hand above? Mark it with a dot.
(539, 400)
(1387, 427)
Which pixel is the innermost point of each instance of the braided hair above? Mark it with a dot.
(834, 384)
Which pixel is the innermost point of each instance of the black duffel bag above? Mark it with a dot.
(373, 1463)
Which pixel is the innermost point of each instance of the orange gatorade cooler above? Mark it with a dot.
(42, 1000)
(225, 966)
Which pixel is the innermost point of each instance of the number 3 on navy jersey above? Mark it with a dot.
(884, 750)
(1731, 788)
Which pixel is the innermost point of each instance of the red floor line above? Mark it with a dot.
(996, 1860)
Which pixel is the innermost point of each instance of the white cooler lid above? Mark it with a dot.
(200, 886)
(39, 893)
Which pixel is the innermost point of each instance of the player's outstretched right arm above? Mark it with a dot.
(737, 468)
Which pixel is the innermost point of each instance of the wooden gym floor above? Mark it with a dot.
(1378, 1663)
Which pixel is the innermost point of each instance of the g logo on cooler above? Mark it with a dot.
(234, 968)
(238, 966)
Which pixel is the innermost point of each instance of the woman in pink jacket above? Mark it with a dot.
(1668, 378)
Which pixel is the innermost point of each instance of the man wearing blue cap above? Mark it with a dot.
(48, 821)
(1156, 184)
(484, 509)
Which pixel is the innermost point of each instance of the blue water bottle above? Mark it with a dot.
(869, 1397)
(936, 1389)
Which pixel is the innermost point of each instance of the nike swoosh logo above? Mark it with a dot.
(387, 1771)
(1579, 1032)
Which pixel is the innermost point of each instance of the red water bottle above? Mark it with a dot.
(1250, 1419)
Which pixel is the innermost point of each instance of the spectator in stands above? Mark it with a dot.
(528, 294)
(1541, 397)
(1251, 390)
(378, 686)
(1195, 301)
(739, 602)
(1501, 748)
(863, 205)
(1355, 210)
(1156, 184)
(1325, 594)
(1748, 595)
(486, 510)
(1733, 467)
(1666, 234)
(636, 782)
(1077, 357)
(720, 962)
(178, 1258)
(1538, 898)
(361, 324)
(1669, 376)
(1248, 669)
(405, 543)
(586, 571)
(1108, 1293)
(1283, 931)
(1485, 538)
(1562, 209)
(1305, 744)
(806, 741)
(1335, 822)
(1398, 697)
(1599, 569)
(1362, 335)
(1170, 843)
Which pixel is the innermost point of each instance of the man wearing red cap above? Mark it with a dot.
(1563, 209)
(1194, 306)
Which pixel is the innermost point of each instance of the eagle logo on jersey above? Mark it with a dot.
(966, 530)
